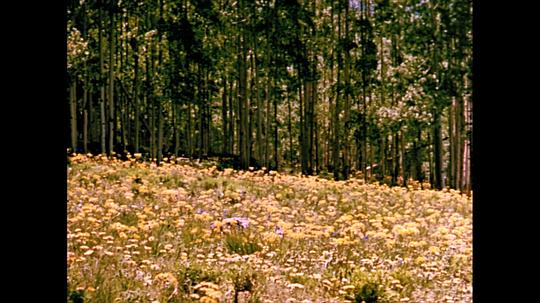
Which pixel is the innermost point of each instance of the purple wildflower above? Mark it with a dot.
(244, 222)
(278, 230)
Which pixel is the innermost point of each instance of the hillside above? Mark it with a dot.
(180, 233)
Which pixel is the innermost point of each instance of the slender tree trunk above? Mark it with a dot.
(189, 131)
(459, 145)
(136, 98)
(312, 118)
(85, 121)
(122, 108)
(92, 130)
(451, 144)
(402, 158)
(231, 119)
(337, 110)
(200, 113)
(382, 86)
(160, 136)
(437, 111)
(394, 155)
(103, 124)
(382, 155)
(302, 136)
(466, 185)
(103, 120)
(346, 145)
(73, 111)
(276, 126)
(174, 121)
(111, 85)
(255, 98)
(224, 117)
(259, 138)
(437, 152)
(208, 120)
(242, 92)
(363, 163)
(317, 148)
(177, 125)
(267, 100)
(289, 127)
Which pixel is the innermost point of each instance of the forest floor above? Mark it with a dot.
(181, 233)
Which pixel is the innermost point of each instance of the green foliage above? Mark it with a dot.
(128, 218)
(173, 181)
(193, 274)
(367, 293)
(243, 280)
(241, 243)
(76, 296)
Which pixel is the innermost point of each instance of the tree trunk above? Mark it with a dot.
(200, 113)
(317, 163)
(242, 90)
(92, 129)
(337, 110)
(382, 147)
(346, 75)
(437, 152)
(160, 136)
(395, 156)
(451, 144)
(259, 133)
(467, 111)
(224, 117)
(208, 116)
(267, 111)
(136, 98)
(402, 158)
(189, 131)
(313, 98)
(276, 141)
(85, 125)
(73, 111)
(103, 120)
(111, 85)
(255, 94)
(231, 119)
(302, 137)
(364, 84)
(289, 127)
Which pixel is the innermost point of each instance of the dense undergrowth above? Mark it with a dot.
(181, 233)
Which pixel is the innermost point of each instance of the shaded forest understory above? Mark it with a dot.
(376, 89)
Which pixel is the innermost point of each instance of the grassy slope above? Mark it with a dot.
(140, 233)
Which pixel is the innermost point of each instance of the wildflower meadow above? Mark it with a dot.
(188, 232)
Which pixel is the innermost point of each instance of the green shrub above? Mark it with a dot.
(239, 242)
(194, 274)
(367, 293)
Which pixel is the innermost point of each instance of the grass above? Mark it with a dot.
(141, 233)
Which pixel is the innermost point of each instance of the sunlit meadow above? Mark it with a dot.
(187, 232)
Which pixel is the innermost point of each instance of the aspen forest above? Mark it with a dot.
(269, 150)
